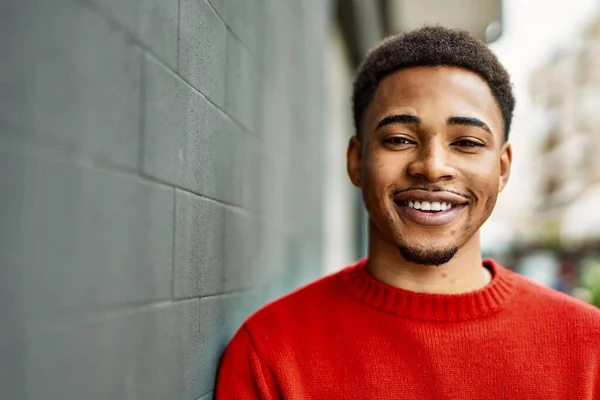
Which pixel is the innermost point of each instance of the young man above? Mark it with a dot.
(423, 317)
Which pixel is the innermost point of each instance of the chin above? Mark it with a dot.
(425, 255)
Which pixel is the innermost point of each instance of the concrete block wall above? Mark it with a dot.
(160, 179)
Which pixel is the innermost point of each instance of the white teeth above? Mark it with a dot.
(429, 206)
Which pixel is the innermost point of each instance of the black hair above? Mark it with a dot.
(432, 46)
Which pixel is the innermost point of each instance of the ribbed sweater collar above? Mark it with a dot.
(432, 307)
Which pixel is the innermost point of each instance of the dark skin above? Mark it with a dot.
(429, 131)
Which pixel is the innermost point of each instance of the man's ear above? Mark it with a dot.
(505, 163)
(353, 160)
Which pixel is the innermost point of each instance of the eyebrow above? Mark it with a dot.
(399, 119)
(413, 119)
(470, 121)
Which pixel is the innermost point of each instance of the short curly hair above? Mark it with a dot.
(432, 46)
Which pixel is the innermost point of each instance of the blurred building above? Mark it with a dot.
(564, 228)
(568, 88)
(166, 167)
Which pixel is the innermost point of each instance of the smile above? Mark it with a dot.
(429, 213)
(428, 206)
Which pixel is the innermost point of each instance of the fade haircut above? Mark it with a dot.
(432, 46)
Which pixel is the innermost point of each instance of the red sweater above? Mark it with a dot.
(349, 336)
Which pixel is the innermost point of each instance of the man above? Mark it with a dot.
(423, 317)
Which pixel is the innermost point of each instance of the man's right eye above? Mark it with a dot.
(396, 140)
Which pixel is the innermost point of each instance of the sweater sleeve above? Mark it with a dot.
(242, 374)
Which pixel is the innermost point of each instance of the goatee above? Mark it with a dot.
(427, 256)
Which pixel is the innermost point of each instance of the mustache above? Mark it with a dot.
(429, 189)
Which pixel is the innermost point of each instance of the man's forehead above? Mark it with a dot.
(422, 79)
(455, 89)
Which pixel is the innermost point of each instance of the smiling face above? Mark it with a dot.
(430, 160)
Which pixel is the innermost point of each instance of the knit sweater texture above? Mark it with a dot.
(350, 336)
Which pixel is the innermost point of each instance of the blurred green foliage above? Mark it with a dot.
(591, 280)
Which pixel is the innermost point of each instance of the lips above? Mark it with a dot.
(409, 205)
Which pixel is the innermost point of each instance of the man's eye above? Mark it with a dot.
(396, 140)
(467, 143)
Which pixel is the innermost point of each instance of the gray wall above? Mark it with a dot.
(160, 178)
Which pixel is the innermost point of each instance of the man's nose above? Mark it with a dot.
(432, 163)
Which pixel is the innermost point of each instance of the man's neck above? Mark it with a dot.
(462, 274)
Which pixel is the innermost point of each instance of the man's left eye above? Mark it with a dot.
(468, 143)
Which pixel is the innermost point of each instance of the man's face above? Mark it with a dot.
(430, 161)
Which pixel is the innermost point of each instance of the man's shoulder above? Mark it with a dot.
(300, 306)
(552, 303)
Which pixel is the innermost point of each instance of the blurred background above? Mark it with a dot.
(168, 166)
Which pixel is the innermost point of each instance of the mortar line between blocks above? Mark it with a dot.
(229, 27)
(211, 102)
(115, 24)
(142, 113)
(173, 249)
(178, 33)
(117, 169)
(103, 313)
